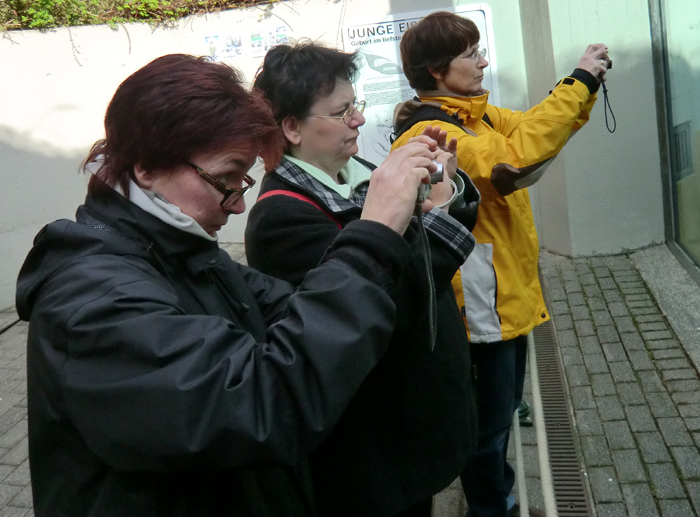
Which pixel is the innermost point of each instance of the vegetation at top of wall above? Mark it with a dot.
(48, 14)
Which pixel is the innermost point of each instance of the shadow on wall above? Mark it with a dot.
(37, 188)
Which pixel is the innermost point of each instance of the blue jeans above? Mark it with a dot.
(499, 376)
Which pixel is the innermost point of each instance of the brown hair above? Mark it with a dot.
(177, 106)
(432, 43)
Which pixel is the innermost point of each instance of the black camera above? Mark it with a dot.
(425, 188)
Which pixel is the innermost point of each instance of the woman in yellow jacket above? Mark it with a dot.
(503, 152)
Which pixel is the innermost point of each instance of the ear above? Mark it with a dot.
(290, 128)
(437, 75)
(143, 178)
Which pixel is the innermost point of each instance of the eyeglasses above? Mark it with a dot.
(231, 195)
(358, 106)
(476, 55)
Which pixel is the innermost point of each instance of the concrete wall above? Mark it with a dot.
(603, 195)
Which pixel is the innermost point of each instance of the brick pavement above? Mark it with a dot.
(635, 397)
(635, 394)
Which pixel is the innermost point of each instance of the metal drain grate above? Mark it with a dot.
(567, 476)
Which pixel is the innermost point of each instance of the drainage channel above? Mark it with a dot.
(572, 498)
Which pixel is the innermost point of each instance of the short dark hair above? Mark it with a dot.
(291, 78)
(432, 43)
(177, 106)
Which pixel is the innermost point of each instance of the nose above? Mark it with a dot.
(238, 207)
(482, 63)
(357, 120)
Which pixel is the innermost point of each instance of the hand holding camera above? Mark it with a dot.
(596, 61)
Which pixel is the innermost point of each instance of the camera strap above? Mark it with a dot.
(606, 106)
(428, 262)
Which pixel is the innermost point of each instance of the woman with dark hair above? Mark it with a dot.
(503, 151)
(164, 378)
(409, 430)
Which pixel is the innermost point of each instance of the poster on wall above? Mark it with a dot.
(381, 82)
(228, 46)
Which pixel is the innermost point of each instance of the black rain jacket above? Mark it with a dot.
(166, 379)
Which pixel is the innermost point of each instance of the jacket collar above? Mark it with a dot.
(149, 232)
(466, 107)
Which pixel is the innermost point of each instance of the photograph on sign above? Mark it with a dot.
(381, 82)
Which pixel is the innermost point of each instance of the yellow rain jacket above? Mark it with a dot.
(498, 288)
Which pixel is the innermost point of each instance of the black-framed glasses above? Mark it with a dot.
(358, 106)
(231, 195)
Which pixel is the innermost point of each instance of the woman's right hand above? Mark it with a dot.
(393, 186)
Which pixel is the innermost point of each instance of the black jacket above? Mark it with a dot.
(165, 379)
(410, 429)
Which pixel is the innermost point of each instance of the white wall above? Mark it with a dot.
(55, 86)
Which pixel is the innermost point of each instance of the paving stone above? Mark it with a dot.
(649, 318)
(590, 345)
(629, 467)
(681, 374)
(602, 318)
(567, 338)
(619, 435)
(577, 375)
(584, 328)
(669, 353)
(675, 508)
(693, 424)
(656, 325)
(614, 352)
(656, 335)
(569, 275)
(7, 492)
(19, 476)
(593, 291)
(674, 431)
(640, 419)
(588, 422)
(571, 356)
(661, 405)
(689, 410)
(693, 488)
(688, 461)
(662, 344)
(632, 341)
(633, 290)
(580, 312)
(642, 311)
(596, 364)
(621, 371)
(611, 510)
(665, 483)
(618, 310)
(601, 272)
(582, 397)
(684, 385)
(608, 334)
(12, 511)
(631, 394)
(556, 294)
(639, 500)
(640, 360)
(612, 296)
(636, 304)
(576, 299)
(572, 286)
(684, 398)
(609, 408)
(604, 485)
(625, 324)
(24, 498)
(587, 279)
(14, 435)
(559, 308)
(607, 283)
(17, 454)
(673, 364)
(597, 304)
(563, 322)
(602, 384)
(652, 447)
(595, 451)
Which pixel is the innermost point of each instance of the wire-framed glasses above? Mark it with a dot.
(358, 106)
(476, 55)
(231, 195)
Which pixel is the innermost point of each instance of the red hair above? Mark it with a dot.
(177, 106)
